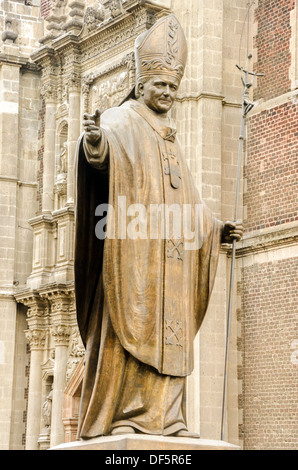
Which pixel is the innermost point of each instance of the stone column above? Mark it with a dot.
(74, 124)
(61, 331)
(37, 341)
(36, 335)
(61, 335)
(48, 92)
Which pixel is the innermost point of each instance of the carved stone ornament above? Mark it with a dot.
(76, 14)
(48, 91)
(109, 92)
(10, 34)
(47, 410)
(77, 351)
(116, 8)
(108, 89)
(61, 334)
(36, 338)
(94, 15)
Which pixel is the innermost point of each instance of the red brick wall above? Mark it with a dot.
(271, 172)
(273, 45)
(270, 384)
(45, 8)
(269, 290)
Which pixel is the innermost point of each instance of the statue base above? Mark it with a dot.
(145, 442)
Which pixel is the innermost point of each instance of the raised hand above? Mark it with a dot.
(91, 124)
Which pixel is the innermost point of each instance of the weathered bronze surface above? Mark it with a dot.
(140, 300)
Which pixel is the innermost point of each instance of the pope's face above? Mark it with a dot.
(159, 93)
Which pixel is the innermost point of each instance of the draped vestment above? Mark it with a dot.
(140, 301)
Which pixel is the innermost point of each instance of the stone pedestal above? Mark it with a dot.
(144, 442)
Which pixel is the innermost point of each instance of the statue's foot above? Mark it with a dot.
(187, 434)
(122, 430)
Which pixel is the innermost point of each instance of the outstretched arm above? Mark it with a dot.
(95, 143)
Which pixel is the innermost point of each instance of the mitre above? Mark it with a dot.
(161, 50)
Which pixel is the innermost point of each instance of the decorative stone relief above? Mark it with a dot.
(47, 412)
(49, 91)
(109, 92)
(109, 88)
(36, 338)
(61, 334)
(95, 14)
(116, 8)
(61, 179)
(76, 22)
(10, 34)
(77, 351)
(74, 81)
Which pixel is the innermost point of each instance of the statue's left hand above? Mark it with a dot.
(232, 231)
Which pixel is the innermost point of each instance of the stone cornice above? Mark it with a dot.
(19, 61)
(262, 105)
(270, 239)
(200, 96)
(109, 28)
(42, 53)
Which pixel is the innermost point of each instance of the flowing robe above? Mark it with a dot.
(140, 300)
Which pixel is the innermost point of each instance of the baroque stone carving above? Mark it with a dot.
(10, 30)
(76, 22)
(61, 334)
(110, 92)
(109, 87)
(49, 91)
(94, 15)
(47, 412)
(36, 338)
(116, 8)
(77, 351)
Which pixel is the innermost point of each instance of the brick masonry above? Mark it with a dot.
(270, 376)
(46, 8)
(273, 45)
(271, 170)
(269, 276)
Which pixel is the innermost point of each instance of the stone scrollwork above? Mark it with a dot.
(94, 15)
(77, 351)
(49, 91)
(110, 92)
(61, 334)
(36, 338)
(116, 8)
(104, 90)
(74, 81)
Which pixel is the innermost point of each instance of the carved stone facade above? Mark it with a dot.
(79, 56)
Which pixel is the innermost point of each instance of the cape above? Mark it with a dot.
(155, 291)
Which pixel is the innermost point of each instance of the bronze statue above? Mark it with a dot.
(140, 299)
